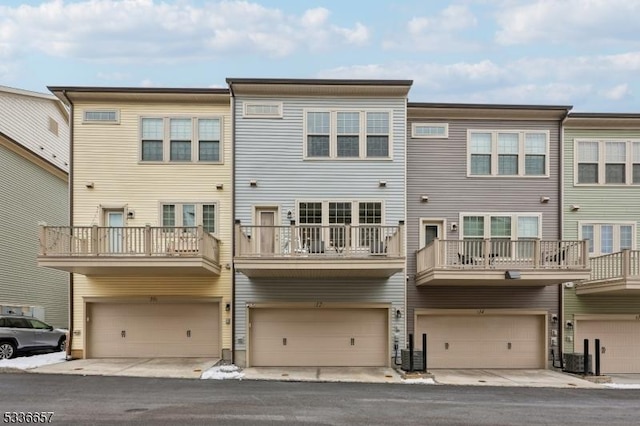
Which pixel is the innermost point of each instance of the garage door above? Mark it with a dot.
(483, 341)
(318, 337)
(153, 330)
(620, 346)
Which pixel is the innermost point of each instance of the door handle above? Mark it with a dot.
(123, 333)
(188, 333)
(509, 345)
(446, 346)
(603, 350)
(353, 341)
(284, 341)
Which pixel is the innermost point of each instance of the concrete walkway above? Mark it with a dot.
(518, 378)
(324, 374)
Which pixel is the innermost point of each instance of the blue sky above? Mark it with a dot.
(584, 53)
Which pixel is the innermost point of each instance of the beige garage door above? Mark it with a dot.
(153, 330)
(482, 341)
(318, 337)
(619, 342)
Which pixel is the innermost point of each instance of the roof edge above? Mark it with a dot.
(319, 82)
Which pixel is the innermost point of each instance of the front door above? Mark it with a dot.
(115, 233)
(430, 231)
(267, 235)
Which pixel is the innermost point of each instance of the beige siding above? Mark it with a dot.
(107, 155)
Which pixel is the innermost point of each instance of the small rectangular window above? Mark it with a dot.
(100, 116)
(430, 130)
(262, 110)
(53, 126)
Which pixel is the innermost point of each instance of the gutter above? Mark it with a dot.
(71, 165)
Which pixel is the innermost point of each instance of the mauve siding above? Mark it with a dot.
(29, 195)
(602, 203)
(270, 151)
(438, 168)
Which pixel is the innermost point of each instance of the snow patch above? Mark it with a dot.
(223, 372)
(622, 385)
(34, 361)
(427, 381)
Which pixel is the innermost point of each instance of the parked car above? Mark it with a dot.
(21, 334)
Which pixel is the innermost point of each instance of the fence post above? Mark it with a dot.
(238, 241)
(147, 240)
(410, 352)
(596, 354)
(94, 239)
(586, 357)
(537, 253)
(424, 352)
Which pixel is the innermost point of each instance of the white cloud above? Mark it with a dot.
(616, 93)
(143, 30)
(147, 83)
(582, 22)
(438, 32)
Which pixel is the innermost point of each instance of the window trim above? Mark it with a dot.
(355, 217)
(86, 121)
(597, 224)
(514, 222)
(199, 213)
(441, 222)
(602, 162)
(521, 153)
(246, 114)
(166, 140)
(414, 135)
(333, 134)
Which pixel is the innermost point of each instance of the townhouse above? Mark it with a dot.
(601, 184)
(34, 156)
(149, 243)
(319, 233)
(485, 258)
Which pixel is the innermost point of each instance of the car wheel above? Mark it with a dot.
(62, 344)
(7, 350)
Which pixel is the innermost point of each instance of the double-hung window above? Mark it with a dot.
(607, 162)
(605, 238)
(189, 215)
(502, 229)
(508, 153)
(180, 139)
(347, 134)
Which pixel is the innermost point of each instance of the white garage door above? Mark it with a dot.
(153, 330)
(482, 341)
(619, 342)
(318, 337)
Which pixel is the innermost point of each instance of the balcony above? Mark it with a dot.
(613, 274)
(499, 262)
(120, 251)
(314, 251)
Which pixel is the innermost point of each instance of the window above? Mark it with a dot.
(430, 130)
(189, 215)
(501, 229)
(347, 134)
(101, 116)
(605, 238)
(262, 110)
(180, 140)
(607, 162)
(508, 153)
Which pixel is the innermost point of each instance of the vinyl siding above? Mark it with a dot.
(438, 168)
(29, 195)
(107, 155)
(605, 203)
(271, 152)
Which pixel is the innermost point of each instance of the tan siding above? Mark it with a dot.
(107, 155)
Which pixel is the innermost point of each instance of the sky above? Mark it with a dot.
(584, 53)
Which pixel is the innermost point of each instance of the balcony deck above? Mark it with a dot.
(500, 262)
(613, 274)
(137, 251)
(309, 251)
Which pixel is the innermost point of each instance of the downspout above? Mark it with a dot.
(233, 215)
(70, 194)
(561, 229)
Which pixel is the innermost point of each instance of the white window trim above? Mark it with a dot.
(602, 161)
(521, 153)
(199, 212)
(166, 141)
(85, 121)
(246, 104)
(439, 221)
(487, 220)
(414, 135)
(355, 217)
(333, 134)
(616, 234)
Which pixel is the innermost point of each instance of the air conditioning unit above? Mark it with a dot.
(574, 363)
(417, 360)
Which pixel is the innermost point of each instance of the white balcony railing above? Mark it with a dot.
(624, 264)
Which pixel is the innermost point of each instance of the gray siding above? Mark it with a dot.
(28, 195)
(438, 168)
(597, 203)
(271, 152)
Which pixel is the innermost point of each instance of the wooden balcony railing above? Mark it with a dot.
(319, 241)
(624, 264)
(502, 254)
(146, 241)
